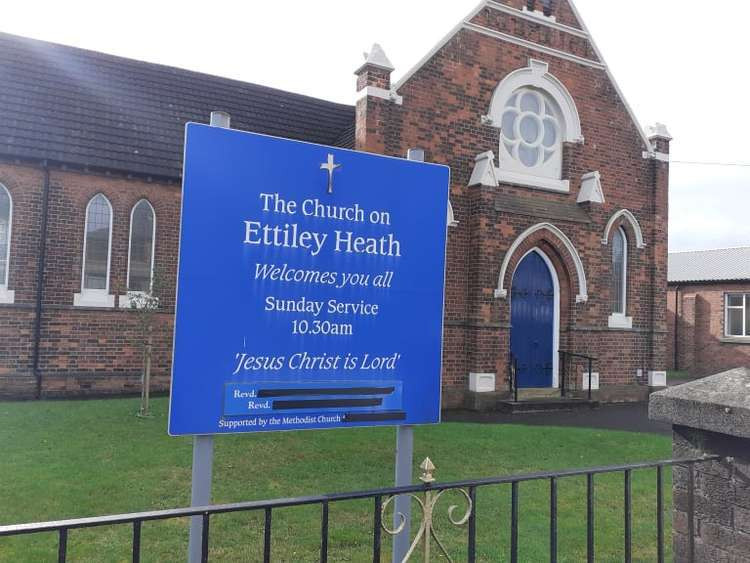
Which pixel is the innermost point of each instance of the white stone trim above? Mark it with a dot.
(153, 239)
(484, 173)
(451, 217)
(534, 46)
(657, 378)
(539, 14)
(591, 188)
(94, 298)
(594, 381)
(620, 321)
(377, 58)
(466, 24)
(658, 131)
(502, 293)
(597, 51)
(640, 243)
(531, 181)
(7, 296)
(382, 93)
(537, 75)
(538, 17)
(482, 382)
(656, 155)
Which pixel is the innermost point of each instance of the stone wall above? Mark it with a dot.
(710, 417)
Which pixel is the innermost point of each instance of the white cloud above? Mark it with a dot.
(680, 62)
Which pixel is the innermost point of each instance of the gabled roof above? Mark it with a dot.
(724, 264)
(583, 32)
(90, 109)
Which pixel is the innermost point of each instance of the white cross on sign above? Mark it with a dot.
(330, 167)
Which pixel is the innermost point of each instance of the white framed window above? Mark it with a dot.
(97, 254)
(536, 115)
(619, 281)
(6, 225)
(141, 245)
(619, 271)
(737, 315)
(530, 134)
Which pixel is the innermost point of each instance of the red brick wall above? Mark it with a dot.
(95, 351)
(17, 320)
(82, 350)
(442, 107)
(702, 347)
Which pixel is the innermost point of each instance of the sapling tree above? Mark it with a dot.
(145, 305)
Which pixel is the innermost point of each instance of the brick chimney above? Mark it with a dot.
(659, 138)
(375, 100)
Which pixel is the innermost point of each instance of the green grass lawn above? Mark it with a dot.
(85, 458)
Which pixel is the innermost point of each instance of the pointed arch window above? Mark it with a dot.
(97, 250)
(141, 248)
(619, 281)
(619, 271)
(6, 223)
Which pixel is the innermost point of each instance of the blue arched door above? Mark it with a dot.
(533, 322)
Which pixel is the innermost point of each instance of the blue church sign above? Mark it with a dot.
(310, 287)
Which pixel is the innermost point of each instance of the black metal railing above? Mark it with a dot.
(566, 360)
(382, 497)
(513, 377)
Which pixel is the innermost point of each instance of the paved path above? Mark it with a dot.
(632, 417)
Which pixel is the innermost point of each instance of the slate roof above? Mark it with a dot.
(725, 264)
(85, 108)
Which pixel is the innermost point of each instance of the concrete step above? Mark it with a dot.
(543, 393)
(545, 405)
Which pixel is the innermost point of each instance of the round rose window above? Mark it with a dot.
(530, 130)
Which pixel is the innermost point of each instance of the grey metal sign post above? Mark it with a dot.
(402, 504)
(404, 462)
(203, 446)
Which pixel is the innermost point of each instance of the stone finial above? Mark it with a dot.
(377, 58)
(658, 131)
(484, 171)
(591, 189)
(375, 75)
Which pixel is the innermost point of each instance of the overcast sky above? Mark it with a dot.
(681, 62)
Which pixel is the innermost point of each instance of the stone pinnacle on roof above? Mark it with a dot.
(658, 130)
(377, 57)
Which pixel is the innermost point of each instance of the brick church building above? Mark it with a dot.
(558, 223)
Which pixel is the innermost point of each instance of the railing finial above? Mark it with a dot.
(427, 468)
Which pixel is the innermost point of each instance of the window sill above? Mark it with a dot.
(530, 181)
(617, 320)
(7, 296)
(125, 301)
(741, 340)
(94, 299)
